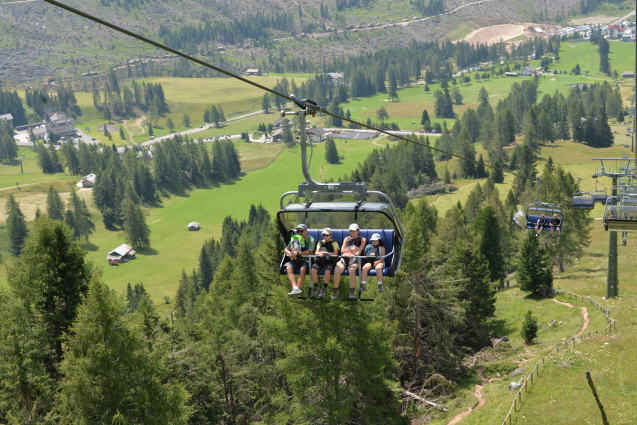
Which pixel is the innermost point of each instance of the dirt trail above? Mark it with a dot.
(478, 393)
(478, 390)
(585, 317)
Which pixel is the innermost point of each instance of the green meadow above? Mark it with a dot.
(185, 96)
(584, 53)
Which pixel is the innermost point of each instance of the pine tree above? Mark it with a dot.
(265, 104)
(54, 204)
(331, 153)
(84, 226)
(489, 230)
(535, 272)
(16, 226)
(186, 120)
(497, 175)
(529, 327)
(109, 374)
(425, 121)
(170, 124)
(50, 277)
(135, 227)
(26, 386)
(476, 290)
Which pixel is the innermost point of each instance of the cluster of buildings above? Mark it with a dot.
(55, 126)
(624, 31)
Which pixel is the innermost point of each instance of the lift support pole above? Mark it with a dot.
(612, 282)
(616, 172)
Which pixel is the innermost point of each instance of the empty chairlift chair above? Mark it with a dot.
(583, 201)
(621, 217)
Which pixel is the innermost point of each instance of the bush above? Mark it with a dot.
(529, 328)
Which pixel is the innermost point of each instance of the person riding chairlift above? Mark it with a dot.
(353, 246)
(302, 243)
(374, 253)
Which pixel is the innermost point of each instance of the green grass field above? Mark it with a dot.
(12, 175)
(584, 53)
(185, 96)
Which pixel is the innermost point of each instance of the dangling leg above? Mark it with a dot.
(379, 276)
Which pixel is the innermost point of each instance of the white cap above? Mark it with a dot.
(353, 226)
(375, 237)
(327, 231)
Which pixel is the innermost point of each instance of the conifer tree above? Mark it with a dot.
(265, 104)
(476, 290)
(16, 226)
(109, 374)
(425, 121)
(83, 225)
(26, 386)
(54, 204)
(135, 227)
(529, 327)
(186, 120)
(490, 232)
(535, 272)
(51, 277)
(331, 153)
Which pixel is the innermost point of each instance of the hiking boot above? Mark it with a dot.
(380, 287)
(334, 294)
(320, 293)
(363, 287)
(295, 291)
(352, 294)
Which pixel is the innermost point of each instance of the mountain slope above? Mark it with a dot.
(39, 40)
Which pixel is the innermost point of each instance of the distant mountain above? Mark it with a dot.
(39, 41)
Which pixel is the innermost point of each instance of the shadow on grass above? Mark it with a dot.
(89, 246)
(500, 327)
(148, 251)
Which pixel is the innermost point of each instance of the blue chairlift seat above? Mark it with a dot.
(531, 222)
(386, 236)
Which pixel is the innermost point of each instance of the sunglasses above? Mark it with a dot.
(327, 234)
(300, 230)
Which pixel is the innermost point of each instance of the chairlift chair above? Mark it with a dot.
(336, 205)
(537, 209)
(583, 201)
(620, 214)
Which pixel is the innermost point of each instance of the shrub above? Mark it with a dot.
(529, 327)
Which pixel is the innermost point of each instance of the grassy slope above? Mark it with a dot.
(584, 53)
(190, 96)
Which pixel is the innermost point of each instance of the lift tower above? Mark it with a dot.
(615, 168)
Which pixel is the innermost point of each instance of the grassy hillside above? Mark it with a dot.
(33, 50)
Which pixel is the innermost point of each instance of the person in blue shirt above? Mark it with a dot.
(302, 243)
(374, 258)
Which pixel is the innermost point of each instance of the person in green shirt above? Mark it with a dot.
(302, 243)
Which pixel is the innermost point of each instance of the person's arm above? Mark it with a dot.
(382, 254)
(360, 249)
(344, 249)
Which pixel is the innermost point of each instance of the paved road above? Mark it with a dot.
(199, 129)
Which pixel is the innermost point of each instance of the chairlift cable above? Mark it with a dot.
(252, 83)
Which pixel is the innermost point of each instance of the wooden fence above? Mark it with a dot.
(530, 379)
